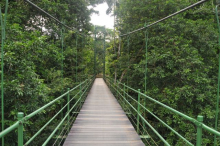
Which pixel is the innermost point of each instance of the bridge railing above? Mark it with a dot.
(81, 91)
(121, 92)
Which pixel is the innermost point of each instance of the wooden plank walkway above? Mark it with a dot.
(102, 122)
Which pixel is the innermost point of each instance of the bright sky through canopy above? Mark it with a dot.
(102, 19)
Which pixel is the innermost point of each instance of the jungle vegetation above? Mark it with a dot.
(182, 59)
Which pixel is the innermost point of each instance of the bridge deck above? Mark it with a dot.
(102, 122)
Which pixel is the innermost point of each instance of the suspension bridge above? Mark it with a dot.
(101, 111)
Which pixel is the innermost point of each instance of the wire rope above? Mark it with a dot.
(139, 123)
(40, 9)
(167, 17)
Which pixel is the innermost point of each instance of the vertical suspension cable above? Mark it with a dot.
(146, 45)
(145, 79)
(217, 102)
(120, 47)
(95, 53)
(104, 54)
(128, 46)
(86, 60)
(114, 43)
(3, 26)
(82, 60)
(62, 42)
(2, 73)
(76, 55)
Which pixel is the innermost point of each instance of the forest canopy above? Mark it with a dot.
(180, 64)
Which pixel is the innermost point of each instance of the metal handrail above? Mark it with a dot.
(21, 119)
(197, 122)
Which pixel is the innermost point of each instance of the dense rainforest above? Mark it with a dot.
(43, 58)
(182, 61)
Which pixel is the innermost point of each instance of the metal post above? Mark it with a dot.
(124, 89)
(116, 83)
(115, 42)
(62, 53)
(110, 83)
(138, 109)
(62, 68)
(68, 100)
(2, 73)
(217, 102)
(128, 63)
(20, 129)
(76, 56)
(104, 54)
(95, 54)
(145, 79)
(81, 95)
(3, 26)
(124, 95)
(199, 131)
(118, 90)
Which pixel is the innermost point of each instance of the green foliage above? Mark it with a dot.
(33, 74)
(182, 61)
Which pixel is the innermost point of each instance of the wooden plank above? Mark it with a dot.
(102, 122)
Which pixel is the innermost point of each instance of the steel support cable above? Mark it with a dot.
(167, 126)
(61, 133)
(95, 52)
(104, 52)
(51, 135)
(3, 27)
(146, 58)
(144, 129)
(62, 44)
(128, 46)
(50, 103)
(160, 120)
(120, 46)
(165, 142)
(78, 107)
(69, 123)
(9, 129)
(40, 9)
(135, 122)
(42, 128)
(132, 119)
(217, 102)
(52, 118)
(185, 140)
(143, 126)
(178, 12)
(65, 128)
(194, 121)
(163, 105)
(76, 56)
(73, 119)
(136, 119)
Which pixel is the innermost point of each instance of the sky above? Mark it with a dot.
(102, 19)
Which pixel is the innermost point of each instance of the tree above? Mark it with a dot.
(182, 61)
